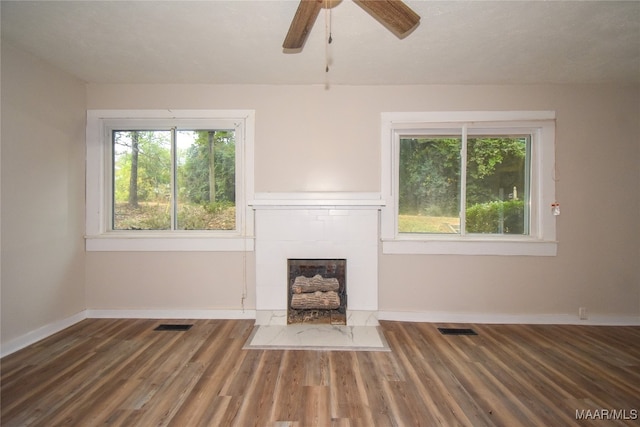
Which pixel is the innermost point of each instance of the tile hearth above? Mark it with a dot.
(316, 337)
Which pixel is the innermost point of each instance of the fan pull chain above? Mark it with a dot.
(327, 32)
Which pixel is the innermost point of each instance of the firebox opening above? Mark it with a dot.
(316, 291)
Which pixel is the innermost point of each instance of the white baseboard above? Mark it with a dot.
(39, 334)
(488, 318)
(401, 316)
(171, 314)
(45, 331)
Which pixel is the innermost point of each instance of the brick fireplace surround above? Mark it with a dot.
(310, 225)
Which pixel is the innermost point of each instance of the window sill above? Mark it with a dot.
(470, 246)
(160, 242)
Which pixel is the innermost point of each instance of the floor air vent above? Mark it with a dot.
(168, 327)
(457, 331)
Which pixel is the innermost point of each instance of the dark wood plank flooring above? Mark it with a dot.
(121, 372)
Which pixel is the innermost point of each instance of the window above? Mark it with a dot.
(173, 179)
(442, 191)
(469, 183)
(169, 180)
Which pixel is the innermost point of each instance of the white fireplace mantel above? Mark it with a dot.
(317, 225)
(322, 200)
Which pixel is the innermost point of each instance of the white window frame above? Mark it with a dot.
(99, 235)
(541, 240)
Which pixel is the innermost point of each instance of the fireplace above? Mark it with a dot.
(316, 291)
(317, 226)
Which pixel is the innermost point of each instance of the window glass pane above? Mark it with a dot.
(141, 180)
(429, 185)
(206, 182)
(496, 186)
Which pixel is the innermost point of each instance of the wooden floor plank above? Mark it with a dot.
(347, 399)
(317, 372)
(415, 358)
(258, 395)
(121, 372)
(288, 393)
(206, 403)
(316, 410)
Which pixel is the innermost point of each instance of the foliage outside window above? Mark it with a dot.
(173, 180)
(443, 192)
(468, 183)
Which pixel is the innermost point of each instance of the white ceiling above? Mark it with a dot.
(457, 42)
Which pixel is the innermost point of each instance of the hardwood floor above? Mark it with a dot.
(121, 372)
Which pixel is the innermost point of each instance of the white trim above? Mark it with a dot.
(317, 195)
(542, 238)
(99, 238)
(517, 319)
(41, 333)
(327, 200)
(163, 243)
(412, 117)
(52, 328)
(171, 314)
(524, 247)
(399, 316)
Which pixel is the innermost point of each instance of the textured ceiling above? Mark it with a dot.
(457, 42)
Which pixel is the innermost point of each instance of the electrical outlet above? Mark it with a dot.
(582, 313)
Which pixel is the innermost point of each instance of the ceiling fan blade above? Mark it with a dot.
(399, 18)
(301, 24)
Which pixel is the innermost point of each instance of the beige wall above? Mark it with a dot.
(170, 281)
(309, 138)
(43, 120)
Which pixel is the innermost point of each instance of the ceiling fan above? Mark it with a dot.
(396, 16)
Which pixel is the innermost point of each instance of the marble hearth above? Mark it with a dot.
(309, 225)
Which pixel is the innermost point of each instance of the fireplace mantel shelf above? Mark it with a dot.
(266, 204)
(317, 200)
